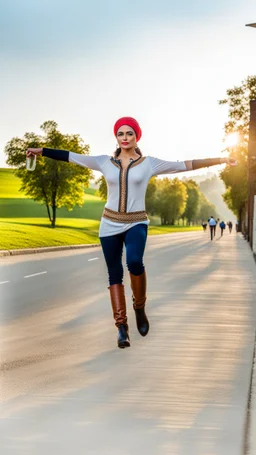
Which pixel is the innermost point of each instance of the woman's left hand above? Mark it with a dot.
(230, 161)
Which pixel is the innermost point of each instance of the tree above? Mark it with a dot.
(213, 189)
(170, 200)
(103, 188)
(205, 209)
(53, 183)
(151, 196)
(238, 99)
(235, 179)
(192, 202)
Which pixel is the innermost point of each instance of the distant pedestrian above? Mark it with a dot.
(222, 227)
(204, 225)
(230, 226)
(217, 222)
(212, 224)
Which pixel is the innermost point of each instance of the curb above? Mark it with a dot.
(46, 249)
(59, 248)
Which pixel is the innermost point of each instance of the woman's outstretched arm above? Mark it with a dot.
(91, 162)
(198, 164)
(172, 167)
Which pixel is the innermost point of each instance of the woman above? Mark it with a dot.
(124, 220)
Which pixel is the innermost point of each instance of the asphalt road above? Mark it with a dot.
(183, 390)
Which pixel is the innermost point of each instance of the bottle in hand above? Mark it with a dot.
(31, 162)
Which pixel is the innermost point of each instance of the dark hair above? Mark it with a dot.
(118, 151)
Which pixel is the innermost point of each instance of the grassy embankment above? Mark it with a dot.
(24, 223)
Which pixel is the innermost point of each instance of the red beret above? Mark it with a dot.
(129, 121)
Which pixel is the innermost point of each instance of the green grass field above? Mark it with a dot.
(14, 204)
(24, 222)
(36, 232)
(9, 185)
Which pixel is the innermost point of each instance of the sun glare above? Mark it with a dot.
(231, 140)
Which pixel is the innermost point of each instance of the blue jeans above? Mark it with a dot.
(134, 240)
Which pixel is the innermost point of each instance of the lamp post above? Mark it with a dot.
(251, 169)
(251, 164)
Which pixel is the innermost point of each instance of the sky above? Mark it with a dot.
(86, 63)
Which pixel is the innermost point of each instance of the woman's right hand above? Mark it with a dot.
(34, 152)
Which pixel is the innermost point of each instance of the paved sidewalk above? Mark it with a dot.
(182, 390)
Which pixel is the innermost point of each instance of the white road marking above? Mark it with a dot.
(93, 259)
(34, 274)
(3, 282)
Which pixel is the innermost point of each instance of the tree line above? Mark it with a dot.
(236, 179)
(172, 200)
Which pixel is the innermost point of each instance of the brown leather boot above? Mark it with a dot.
(118, 302)
(138, 285)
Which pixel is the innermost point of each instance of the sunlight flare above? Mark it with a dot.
(231, 140)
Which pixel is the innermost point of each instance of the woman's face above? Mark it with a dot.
(126, 137)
